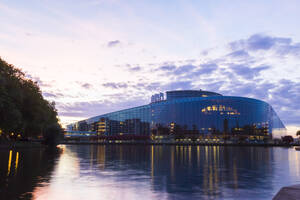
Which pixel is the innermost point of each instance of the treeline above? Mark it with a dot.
(24, 113)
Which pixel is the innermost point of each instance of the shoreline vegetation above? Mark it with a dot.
(26, 118)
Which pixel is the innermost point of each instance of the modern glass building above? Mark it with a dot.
(189, 112)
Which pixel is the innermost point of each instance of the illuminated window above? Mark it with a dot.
(220, 108)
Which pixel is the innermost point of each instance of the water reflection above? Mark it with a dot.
(149, 172)
(15, 162)
(23, 170)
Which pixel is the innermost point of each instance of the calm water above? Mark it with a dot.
(147, 172)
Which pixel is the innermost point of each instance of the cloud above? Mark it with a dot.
(178, 85)
(259, 42)
(175, 70)
(239, 54)
(47, 94)
(52, 95)
(86, 86)
(289, 50)
(207, 68)
(287, 94)
(246, 71)
(135, 69)
(215, 86)
(86, 109)
(147, 86)
(38, 80)
(113, 43)
(113, 85)
(167, 68)
(256, 42)
(183, 69)
(202, 69)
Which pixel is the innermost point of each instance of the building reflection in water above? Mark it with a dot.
(185, 169)
(148, 172)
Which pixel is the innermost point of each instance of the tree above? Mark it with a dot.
(287, 139)
(298, 133)
(23, 110)
(52, 134)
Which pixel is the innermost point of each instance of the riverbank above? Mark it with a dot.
(289, 192)
(14, 145)
(174, 143)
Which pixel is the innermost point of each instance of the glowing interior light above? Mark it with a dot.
(220, 108)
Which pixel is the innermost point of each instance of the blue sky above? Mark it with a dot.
(97, 56)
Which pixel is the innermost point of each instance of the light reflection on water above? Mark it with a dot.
(147, 172)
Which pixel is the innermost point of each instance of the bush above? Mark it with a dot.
(287, 139)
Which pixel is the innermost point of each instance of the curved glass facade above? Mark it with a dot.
(189, 113)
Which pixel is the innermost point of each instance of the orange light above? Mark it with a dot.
(9, 162)
(17, 161)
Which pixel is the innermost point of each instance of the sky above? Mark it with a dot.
(96, 56)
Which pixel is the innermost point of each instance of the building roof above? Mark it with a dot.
(178, 94)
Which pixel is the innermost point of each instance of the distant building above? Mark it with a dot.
(185, 112)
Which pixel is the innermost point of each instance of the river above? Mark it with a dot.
(79, 172)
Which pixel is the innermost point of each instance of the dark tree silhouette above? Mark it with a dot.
(287, 139)
(23, 110)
